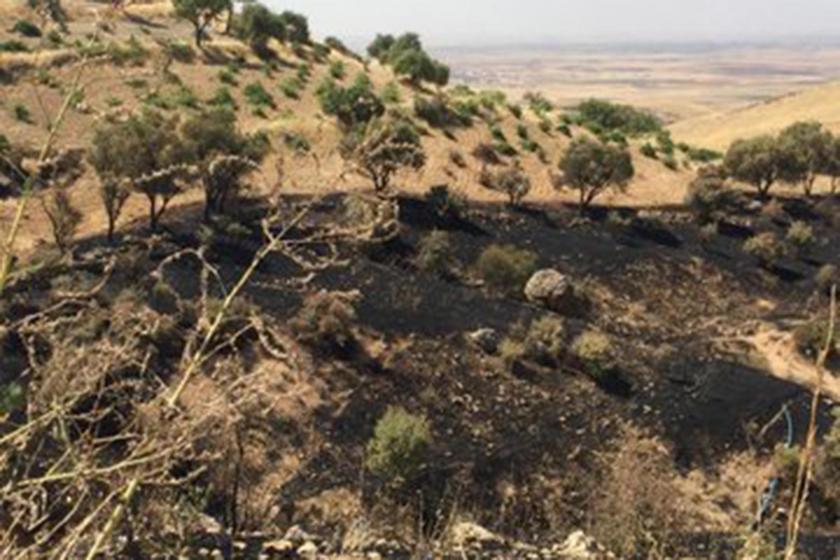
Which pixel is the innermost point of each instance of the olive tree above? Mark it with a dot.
(831, 164)
(756, 161)
(256, 25)
(201, 13)
(223, 156)
(591, 167)
(382, 148)
(145, 152)
(511, 181)
(804, 151)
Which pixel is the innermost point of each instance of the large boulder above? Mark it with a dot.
(552, 290)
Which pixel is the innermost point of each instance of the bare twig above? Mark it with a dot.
(806, 460)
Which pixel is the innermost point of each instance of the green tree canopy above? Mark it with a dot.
(755, 161)
(590, 167)
(805, 148)
(201, 13)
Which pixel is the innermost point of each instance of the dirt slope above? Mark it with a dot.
(720, 130)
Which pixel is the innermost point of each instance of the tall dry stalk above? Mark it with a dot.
(806, 461)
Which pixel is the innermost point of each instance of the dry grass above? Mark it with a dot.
(721, 129)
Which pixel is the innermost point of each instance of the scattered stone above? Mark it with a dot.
(281, 547)
(471, 535)
(297, 536)
(579, 546)
(486, 339)
(308, 550)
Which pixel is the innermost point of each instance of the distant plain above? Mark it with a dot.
(678, 81)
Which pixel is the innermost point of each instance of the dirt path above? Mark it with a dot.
(783, 361)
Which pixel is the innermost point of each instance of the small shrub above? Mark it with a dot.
(180, 51)
(497, 133)
(486, 153)
(708, 197)
(226, 76)
(223, 98)
(512, 181)
(811, 338)
(26, 28)
(297, 143)
(766, 247)
(435, 254)
(21, 113)
(594, 351)
(511, 351)
(325, 321)
(522, 131)
(800, 235)
(545, 126)
(132, 53)
(649, 151)
(437, 113)
(670, 162)
(304, 72)
(516, 111)
(257, 96)
(390, 93)
(506, 268)
(774, 211)
(186, 98)
(291, 87)
(504, 148)
(399, 445)
(786, 461)
(545, 342)
(444, 203)
(137, 83)
(338, 70)
(827, 276)
(457, 159)
(565, 129)
(13, 46)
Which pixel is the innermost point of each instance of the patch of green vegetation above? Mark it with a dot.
(399, 445)
(26, 28)
(21, 113)
(338, 70)
(506, 268)
(538, 103)
(603, 116)
(297, 143)
(390, 94)
(258, 97)
(223, 98)
(228, 75)
(13, 46)
(291, 87)
(131, 53)
(137, 83)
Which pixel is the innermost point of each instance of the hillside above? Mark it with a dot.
(293, 363)
(111, 90)
(720, 130)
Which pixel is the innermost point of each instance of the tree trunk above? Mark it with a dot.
(153, 215)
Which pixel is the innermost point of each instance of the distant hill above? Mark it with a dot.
(719, 130)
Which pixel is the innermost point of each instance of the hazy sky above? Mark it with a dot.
(465, 22)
